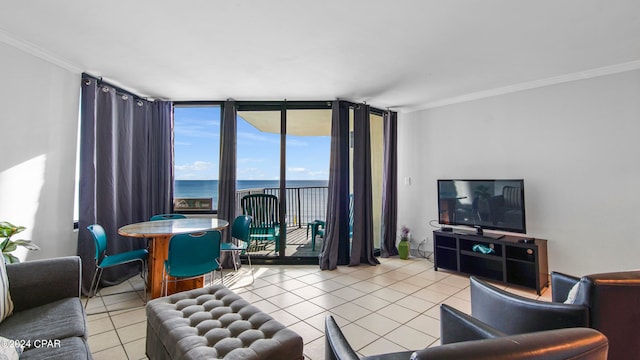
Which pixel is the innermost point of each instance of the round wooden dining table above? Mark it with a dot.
(160, 232)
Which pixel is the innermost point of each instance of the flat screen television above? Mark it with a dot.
(482, 204)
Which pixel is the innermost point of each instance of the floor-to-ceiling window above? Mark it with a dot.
(307, 170)
(377, 159)
(283, 148)
(196, 148)
(259, 168)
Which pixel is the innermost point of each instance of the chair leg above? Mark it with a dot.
(221, 277)
(143, 266)
(251, 268)
(94, 282)
(235, 256)
(165, 284)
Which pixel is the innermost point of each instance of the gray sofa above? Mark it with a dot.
(48, 314)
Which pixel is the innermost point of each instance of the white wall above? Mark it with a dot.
(38, 117)
(576, 145)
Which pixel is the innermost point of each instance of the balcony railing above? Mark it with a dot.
(303, 204)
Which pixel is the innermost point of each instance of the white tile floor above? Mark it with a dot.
(390, 307)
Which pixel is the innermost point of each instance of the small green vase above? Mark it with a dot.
(403, 249)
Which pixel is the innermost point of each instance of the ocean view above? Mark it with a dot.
(209, 188)
(306, 199)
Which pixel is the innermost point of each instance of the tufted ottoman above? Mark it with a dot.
(215, 323)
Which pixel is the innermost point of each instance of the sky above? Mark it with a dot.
(197, 149)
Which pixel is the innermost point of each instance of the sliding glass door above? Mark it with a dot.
(308, 146)
(283, 150)
(259, 174)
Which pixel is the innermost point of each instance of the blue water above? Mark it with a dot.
(209, 188)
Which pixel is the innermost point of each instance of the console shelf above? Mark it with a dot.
(510, 260)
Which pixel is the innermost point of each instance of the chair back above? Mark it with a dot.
(241, 228)
(167, 217)
(100, 238)
(613, 299)
(514, 314)
(264, 211)
(193, 254)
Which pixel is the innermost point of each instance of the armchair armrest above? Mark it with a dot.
(39, 282)
(561, 284)
(574, 343)
(513, 314)
(456, 326)
(336, 345)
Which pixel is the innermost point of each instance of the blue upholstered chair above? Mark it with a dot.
(191, 256)
(103, 260)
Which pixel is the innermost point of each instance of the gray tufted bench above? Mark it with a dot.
(215, 323)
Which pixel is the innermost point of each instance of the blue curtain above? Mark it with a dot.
(390, 185)
(125, 170)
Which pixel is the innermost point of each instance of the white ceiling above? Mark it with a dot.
(402, 54)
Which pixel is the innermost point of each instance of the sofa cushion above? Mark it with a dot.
(6, 305)
(57, 320)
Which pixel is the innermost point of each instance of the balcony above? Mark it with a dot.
(303, 205)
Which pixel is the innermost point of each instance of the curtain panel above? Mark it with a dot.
(125, 170)
(227, 177)
(362, 251)
(390, 185)
(335, 247)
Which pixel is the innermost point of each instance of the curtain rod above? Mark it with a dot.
(100, 81)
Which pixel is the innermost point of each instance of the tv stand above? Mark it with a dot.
(511, 262)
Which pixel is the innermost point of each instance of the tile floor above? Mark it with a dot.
(384, 308)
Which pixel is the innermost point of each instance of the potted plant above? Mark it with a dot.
(403, 246)
(7, 230)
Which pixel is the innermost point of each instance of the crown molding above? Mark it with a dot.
(37, 51)
(582, 75)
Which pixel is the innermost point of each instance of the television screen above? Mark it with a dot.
(483, 204)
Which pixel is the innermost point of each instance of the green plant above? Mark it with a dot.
(7, 230)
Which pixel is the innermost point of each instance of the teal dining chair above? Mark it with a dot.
(240, 229)
(265, 215)
(191, 256)
(104, 260)
(167, 217)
